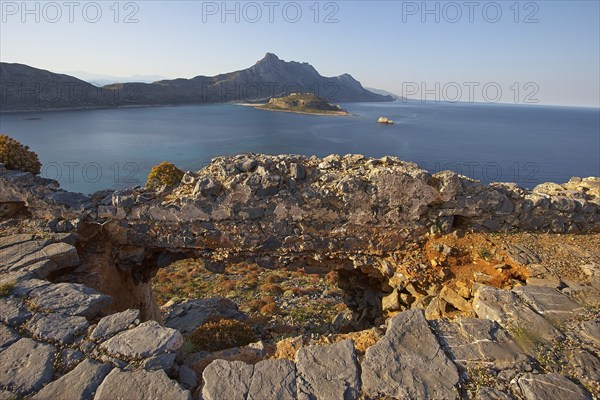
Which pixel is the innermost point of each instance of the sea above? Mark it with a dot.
(91, 150)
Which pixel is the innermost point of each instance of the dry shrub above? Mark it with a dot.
(269, 309)
(271, 288)
(164, 174)
(17, 156)
(222, 334)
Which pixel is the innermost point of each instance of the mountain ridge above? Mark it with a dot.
(25, 88)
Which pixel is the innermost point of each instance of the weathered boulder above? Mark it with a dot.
(140, 385)
(80, 383)
(58, 328)
(513, 314)
(550, 386)
(7, 336)
(328, 372)
(548, 301)
(146, 340)
(190, 314)
(70, 299)
(479, 343)
(273, 379)
(26, 366)
(62, 254)
(226, 380)
(408, 362)
(13, 312)
(114, 323)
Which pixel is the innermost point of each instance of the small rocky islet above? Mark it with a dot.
(303, 103)
(447, 288)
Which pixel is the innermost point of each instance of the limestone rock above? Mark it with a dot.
(548, 301)
(114, 323)
(408, 362)
(160, 361)
(58, 328)
(188, 315)
(226, 380)
(13, 312)
(455, 299)
(391, 301)
(140, 385)
(590, 330)
(26, 366)
(80, 383)
(488, 393)
(273, 379)
(7, 336)
(187, 377)
(146, 340)
(328, 372)
(550, 386)
(512, 313)
(69, 358)
(62, 254)
(481, 343)
(70, 299)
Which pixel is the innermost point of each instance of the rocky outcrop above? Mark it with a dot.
(348, 213)
(67, 259)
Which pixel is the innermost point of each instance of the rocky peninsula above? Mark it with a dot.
(452, 289)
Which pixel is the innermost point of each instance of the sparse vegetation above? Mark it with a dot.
(17, 156)
(6, 289)
(164, 174)
(222, 334)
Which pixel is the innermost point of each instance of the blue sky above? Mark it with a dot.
(544, 51)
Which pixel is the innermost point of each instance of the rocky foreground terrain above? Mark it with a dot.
(451, 289)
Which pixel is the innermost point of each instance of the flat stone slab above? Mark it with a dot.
(70, 299)
(328, 372)
(488, 393)
(26, 366)
(7, 336)
(510, 311)
(548, 301)
(25, 286)
(550, 386)
(114, 323)
(473, 342)
(408, 362)
(13, 312)
(187, 316)
(62, 254)
(7, 241)
(226, 380)
(273, 379)
(140, 385)
(80, 383)
(58, 328)
(590, 330)
(14, 253)
(146, 340)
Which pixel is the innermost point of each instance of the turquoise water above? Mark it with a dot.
(97, 149)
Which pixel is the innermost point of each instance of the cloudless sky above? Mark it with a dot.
(550, 49)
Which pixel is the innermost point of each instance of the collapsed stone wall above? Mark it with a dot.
(351, 214)
(348, 213)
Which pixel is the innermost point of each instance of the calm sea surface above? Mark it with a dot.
(98, 149)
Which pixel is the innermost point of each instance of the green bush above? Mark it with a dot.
(164, 173)
(16, 156)
(222, 334)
